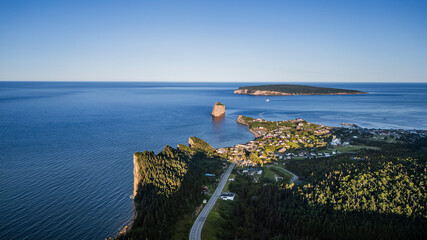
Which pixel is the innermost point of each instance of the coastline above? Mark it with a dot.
(241, 120)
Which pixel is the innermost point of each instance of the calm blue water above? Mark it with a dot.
(66, 148)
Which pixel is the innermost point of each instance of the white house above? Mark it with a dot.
(336, 142)
(278, 178)
(228, 196)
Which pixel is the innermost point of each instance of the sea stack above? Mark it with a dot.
(218, 110)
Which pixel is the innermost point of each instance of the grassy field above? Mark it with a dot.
(268, 173)
(271, 171)
(279, 171)
(228, 183)
(353, 148)
(212, 229)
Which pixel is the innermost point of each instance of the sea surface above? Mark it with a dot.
(66, 147)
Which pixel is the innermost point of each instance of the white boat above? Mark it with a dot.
(267, 100)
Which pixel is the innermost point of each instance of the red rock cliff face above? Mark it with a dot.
(260, 92)
(218, 110)
(136, 175)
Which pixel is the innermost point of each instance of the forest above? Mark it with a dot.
(375, 194)
(170, 190)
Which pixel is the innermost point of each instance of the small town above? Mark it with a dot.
(299, 139)
(277, 140)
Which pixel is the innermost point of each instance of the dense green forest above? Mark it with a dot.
(198, 144)
(299, 89)
(170, 189)
(374, 194)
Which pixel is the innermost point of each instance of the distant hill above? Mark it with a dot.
(291, 89)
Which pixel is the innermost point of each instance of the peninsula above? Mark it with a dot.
(306, 175)
(291, 89)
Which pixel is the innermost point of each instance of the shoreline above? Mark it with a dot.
(240, 120)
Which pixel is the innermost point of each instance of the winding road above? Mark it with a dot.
(196, 230)
(294, 177)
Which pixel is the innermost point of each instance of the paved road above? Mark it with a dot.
(196, 230)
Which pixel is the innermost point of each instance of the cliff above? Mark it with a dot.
(241, 119)
(290, 89)
(168, 187)
(163, 172)
(136, 175)
(198, 144)
(171, 164)
(218, 110)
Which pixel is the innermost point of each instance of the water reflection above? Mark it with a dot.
(218, 122)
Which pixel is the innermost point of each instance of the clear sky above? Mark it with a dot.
(214, 40)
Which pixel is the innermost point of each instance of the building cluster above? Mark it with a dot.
(396, 133)
(274, 139)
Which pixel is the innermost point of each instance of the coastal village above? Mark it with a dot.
(288, 139)
(277, 140)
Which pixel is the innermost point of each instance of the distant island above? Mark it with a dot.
(291, 89)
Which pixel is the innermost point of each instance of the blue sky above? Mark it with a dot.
(231, 41)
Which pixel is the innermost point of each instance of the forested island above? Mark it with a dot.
(291, 89)
(354, 183)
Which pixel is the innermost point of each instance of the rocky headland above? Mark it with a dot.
(241, 120)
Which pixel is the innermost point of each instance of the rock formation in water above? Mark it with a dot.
(218, 110)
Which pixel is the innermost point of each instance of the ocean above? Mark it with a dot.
(66, 147)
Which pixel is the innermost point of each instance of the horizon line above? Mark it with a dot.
(142, 81)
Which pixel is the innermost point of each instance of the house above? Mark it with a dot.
(228, 196)
(282, 150)
(221, 150)
(336, 142)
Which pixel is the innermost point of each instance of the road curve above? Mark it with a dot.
(196, 230)
(294, 177)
